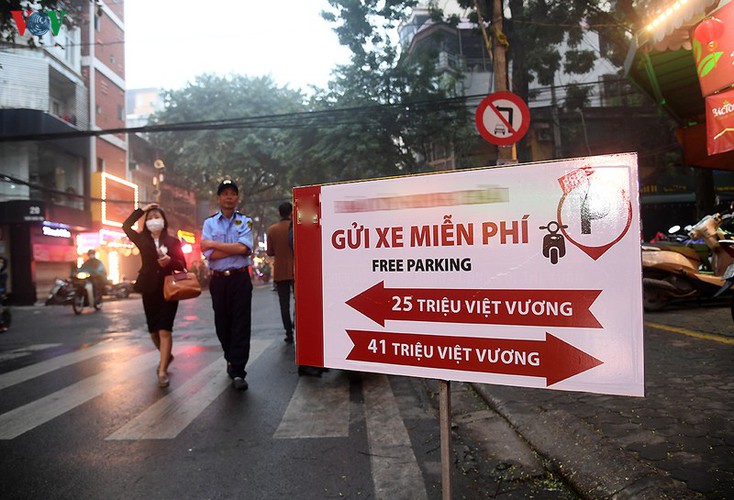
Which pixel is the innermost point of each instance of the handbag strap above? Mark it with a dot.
(180, 275)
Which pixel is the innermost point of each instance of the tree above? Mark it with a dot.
(389, 142)
(256, 158)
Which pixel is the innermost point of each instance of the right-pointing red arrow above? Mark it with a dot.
(551, 358)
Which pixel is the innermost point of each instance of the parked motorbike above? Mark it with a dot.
(728, 277)
(61, 293)
(674, 233)
(674, 271)
(85, 294)
(120, 290)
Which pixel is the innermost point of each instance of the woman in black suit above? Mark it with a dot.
(160, 254)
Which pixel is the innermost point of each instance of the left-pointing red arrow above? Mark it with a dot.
(548, 308)
(551, 358)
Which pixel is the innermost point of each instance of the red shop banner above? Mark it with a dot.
(712, 41)
(720, 122)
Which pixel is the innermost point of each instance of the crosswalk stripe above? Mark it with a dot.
(318, 408)
(38, 369)
(170, 415)
(394, 466)
(25, 351)
(27, 417)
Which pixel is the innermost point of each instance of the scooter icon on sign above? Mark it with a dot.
(554, 244)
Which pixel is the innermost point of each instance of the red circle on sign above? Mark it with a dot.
(490, 102)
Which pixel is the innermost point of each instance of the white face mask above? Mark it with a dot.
(154, 225)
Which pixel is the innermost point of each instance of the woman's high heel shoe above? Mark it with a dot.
(170, 360)
(163, 380)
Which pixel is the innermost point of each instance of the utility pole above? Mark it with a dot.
(505, 154)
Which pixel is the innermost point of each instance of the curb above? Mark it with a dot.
(590, 463)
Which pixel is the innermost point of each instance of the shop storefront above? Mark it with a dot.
(54, 255)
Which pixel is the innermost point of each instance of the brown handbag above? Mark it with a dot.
(181, 285)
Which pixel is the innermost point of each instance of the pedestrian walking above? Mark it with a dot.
(160, 255)
(226, 241)
(282, 251)
(280, 246)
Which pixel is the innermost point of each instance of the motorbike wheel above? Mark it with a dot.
(77, 303)
(653, 299)
(123, 293)
(7, 318)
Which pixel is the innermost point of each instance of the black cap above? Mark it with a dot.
(227, 183)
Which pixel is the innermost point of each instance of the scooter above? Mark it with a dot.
(61, 293)
(674, 271)
(85, 294)
(120, 290)
(728, 277)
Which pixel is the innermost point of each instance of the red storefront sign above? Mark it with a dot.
(720, 122)
(54, 253)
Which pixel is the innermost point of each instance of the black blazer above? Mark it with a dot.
(150, 276)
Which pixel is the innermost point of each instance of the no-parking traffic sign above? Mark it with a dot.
(502, 118)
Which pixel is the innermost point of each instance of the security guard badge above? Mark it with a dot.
(249, 224)
(237, 222)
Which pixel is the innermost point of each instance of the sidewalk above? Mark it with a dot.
(676, 442)
(591, 463)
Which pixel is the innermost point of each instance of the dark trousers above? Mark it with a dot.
(232, 303)
(284, 296)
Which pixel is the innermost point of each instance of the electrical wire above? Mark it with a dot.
(329, 118)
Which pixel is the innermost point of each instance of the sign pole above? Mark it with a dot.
(505, 153)
(444, 412)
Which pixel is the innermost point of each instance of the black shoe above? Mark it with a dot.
(240, 384)
(308, 371)
(288, 339)
(229, 369)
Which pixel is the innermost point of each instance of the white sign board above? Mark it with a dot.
(527, 275)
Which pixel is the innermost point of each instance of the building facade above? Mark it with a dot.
(54, 192)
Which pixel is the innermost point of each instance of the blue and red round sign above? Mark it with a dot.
(502, 118)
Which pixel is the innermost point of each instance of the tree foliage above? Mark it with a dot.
(256, 158)
(380, 74)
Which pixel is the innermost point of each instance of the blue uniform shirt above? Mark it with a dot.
(238, 229)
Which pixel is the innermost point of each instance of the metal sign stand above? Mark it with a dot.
(444, 413)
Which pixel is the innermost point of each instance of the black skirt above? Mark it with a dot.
(159, 313)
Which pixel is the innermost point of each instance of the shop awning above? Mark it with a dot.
(661, 63)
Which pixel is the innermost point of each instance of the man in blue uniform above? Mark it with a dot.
(226, 241)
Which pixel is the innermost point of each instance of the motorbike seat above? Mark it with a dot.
(684, 250)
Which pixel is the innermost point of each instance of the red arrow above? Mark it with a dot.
(552, 358)
(558, 308)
